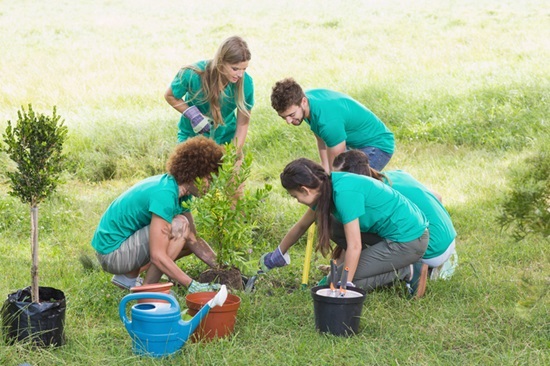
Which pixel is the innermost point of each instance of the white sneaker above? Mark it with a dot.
(448, 268)
(125, 282)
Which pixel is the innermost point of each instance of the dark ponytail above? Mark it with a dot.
(307, 173)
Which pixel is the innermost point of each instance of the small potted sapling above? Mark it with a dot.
(226, 217)
(35, 144)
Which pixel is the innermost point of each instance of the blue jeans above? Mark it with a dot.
(378, 159)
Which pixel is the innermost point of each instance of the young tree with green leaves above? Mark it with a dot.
(35, 144)
(225, 215)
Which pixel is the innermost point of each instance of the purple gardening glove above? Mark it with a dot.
(200, 123)
(274, 259)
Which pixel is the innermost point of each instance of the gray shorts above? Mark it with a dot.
(132, 254)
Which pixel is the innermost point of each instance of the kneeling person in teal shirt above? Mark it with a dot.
(147, 226)
(363, 204)
(441, 247)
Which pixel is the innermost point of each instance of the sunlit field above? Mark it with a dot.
(465, 87)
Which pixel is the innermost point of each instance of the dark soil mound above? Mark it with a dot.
(231, 277)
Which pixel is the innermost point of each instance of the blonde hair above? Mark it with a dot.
(232, 51)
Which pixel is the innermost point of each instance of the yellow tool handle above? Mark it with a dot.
(309, 250)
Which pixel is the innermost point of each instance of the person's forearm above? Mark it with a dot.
(203, 251)
(178, 104)
(351, 260)
(296, 232)
(243, 121)
(167, 266)
(323, 154)
(354, 247)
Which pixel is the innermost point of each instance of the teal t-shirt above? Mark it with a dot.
(134, 209)
(380, 209)
(336, 117)
(442, 231)
(187, 85)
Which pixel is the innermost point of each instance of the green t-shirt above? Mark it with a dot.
(380, 209)
(336, 117)
(442, 231)
(187, 85)
(134, 209)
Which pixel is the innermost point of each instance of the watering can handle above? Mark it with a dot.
(143, 295)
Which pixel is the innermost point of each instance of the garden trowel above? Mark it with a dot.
(250, 283)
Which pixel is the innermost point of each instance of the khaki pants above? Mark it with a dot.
(387, 261)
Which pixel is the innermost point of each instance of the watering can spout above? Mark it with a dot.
(190, 326)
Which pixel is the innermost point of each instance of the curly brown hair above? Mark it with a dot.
(286, 93)
(197, 157)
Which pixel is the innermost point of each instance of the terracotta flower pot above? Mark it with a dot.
(163, 287)
(219, 322)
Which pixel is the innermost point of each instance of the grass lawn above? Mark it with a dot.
(464, 86)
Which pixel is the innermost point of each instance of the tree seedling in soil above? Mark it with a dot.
(226, 217)
(35, 144)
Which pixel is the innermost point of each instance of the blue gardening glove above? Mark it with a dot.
(274, 259)
(200, 123)
(202, 287)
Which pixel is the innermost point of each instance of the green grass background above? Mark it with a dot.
(464, 85)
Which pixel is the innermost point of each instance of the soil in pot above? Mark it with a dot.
(41, 323)
(220, 320)
(231, 277)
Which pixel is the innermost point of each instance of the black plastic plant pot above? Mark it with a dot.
(40, 323)
(339, 316)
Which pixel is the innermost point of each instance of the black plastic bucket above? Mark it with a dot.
(40, 323)
(337, 315)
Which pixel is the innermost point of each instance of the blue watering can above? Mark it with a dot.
(157, 329)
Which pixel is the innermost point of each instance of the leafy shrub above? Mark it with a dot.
(225, 217)
(526, 208)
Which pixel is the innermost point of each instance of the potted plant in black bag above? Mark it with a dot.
(35, 144)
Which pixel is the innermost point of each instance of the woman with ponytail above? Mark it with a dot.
(363, 205)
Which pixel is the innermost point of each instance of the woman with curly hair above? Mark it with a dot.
(147, 225)
(215, 96)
